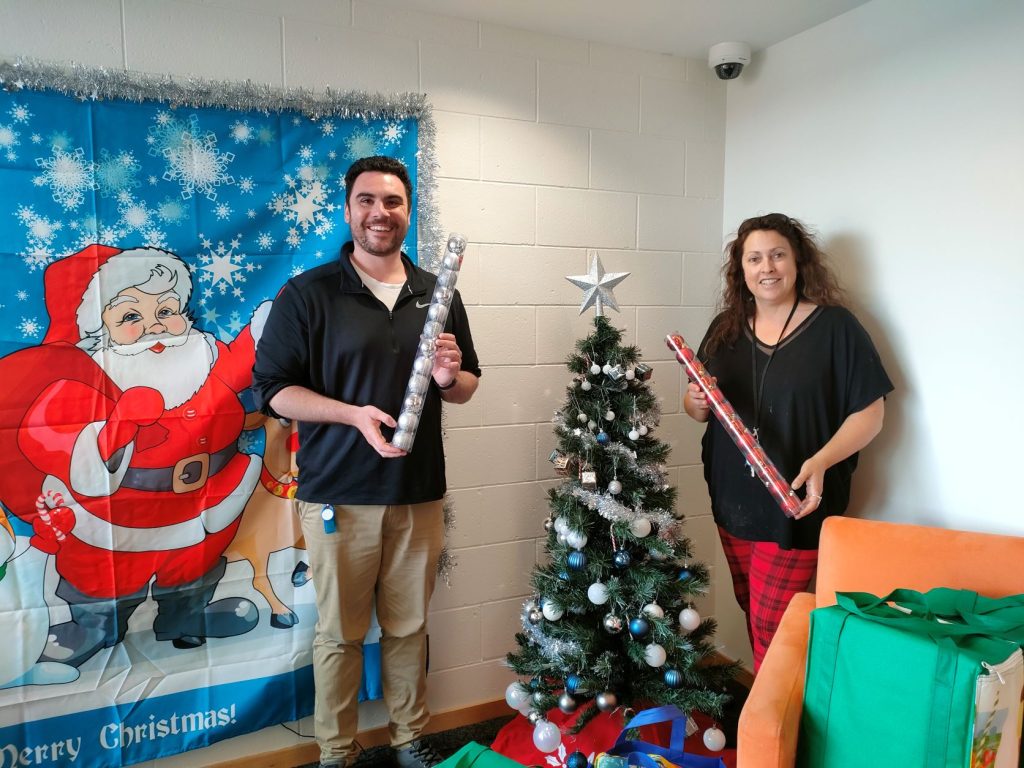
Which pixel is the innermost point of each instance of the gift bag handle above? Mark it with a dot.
(655, 715)
(977, 615)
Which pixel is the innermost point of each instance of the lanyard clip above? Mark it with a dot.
(327, 513)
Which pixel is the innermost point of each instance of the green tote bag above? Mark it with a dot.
(911, 679)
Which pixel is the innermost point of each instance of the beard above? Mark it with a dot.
(177, 372)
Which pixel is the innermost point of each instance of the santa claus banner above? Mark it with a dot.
(154, 591)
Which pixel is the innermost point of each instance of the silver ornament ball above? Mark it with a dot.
(612, 623)
(606, 701)
(567, 703)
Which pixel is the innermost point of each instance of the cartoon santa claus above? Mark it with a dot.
(130, 419)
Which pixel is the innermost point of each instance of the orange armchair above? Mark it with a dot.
(863, 556)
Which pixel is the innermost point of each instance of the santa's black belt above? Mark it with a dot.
(189, 474)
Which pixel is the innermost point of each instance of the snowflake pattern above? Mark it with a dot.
(222, 211)
(558, 759)
(68, 175)
(116, 173)
(197, 164)
(327, 128)
(40, 235)
(265, 242)
(361, 144)
(171, 211)
(29, 327)
(22, 295)
(305, 203)
(221, 268)
(392, 133)
(246, 185)
(19, 113)
(60, 140)
(136, 216)
(8, 141)
(242, 132)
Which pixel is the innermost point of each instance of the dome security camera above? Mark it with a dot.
(728, 59)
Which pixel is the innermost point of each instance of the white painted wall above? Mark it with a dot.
(897, 130)
(548, 147)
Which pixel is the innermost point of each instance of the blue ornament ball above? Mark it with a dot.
(573, 683)
(639, 627)
(576, 760)
(577, 561)
(673, 678)
(602, 437)
(563, 575)
(685, 575)
(622, 558)
(535, 684)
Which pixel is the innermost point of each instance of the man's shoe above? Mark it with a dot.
(417, 754)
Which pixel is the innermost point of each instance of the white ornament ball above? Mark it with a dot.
(576, 539)
(597, 593)
(607, 368)
(614, 487)
(609, 415)
(551, 611)
(516, 695)
(591, 424)
(643, 429)
(654, 610)
(640, 527)
(561, 525)
(630, 374)
(546, 736)
(689, 619)
(634, 435)
(595, 369)
(655, 655)
(582, 418)
(585, 385)
(714, 739)
(560, 538)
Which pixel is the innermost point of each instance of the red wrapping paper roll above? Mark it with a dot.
(752, 451)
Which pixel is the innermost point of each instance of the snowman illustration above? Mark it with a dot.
(21, 601)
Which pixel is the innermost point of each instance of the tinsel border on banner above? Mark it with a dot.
(94, 84)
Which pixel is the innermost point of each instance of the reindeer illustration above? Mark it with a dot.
(269, 523)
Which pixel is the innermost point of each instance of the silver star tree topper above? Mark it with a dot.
(597, 286)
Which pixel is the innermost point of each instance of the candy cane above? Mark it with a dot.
(43, 509)
(752, 451)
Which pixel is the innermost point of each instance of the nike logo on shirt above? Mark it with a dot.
(421, 306)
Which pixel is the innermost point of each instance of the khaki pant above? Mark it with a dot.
(387, 552)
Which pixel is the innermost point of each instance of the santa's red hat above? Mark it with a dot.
(64, 283)
(80, 286)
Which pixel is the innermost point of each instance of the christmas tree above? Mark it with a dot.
(612, 621)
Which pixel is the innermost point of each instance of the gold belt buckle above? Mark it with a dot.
(190, 473)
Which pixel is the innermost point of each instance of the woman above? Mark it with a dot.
(812, 391)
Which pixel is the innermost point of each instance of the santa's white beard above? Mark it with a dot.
(177, 372)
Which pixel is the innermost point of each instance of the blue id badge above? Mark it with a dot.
(327, 513)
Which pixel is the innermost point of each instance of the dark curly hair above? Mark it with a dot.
(381, 164)
(815, 281)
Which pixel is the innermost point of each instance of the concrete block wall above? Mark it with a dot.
(549, 147)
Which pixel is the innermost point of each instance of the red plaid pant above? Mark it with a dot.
(765, 578)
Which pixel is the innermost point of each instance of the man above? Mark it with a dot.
(130, 423)
(336, 356)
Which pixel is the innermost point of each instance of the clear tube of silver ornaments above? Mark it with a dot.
(423, 363)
